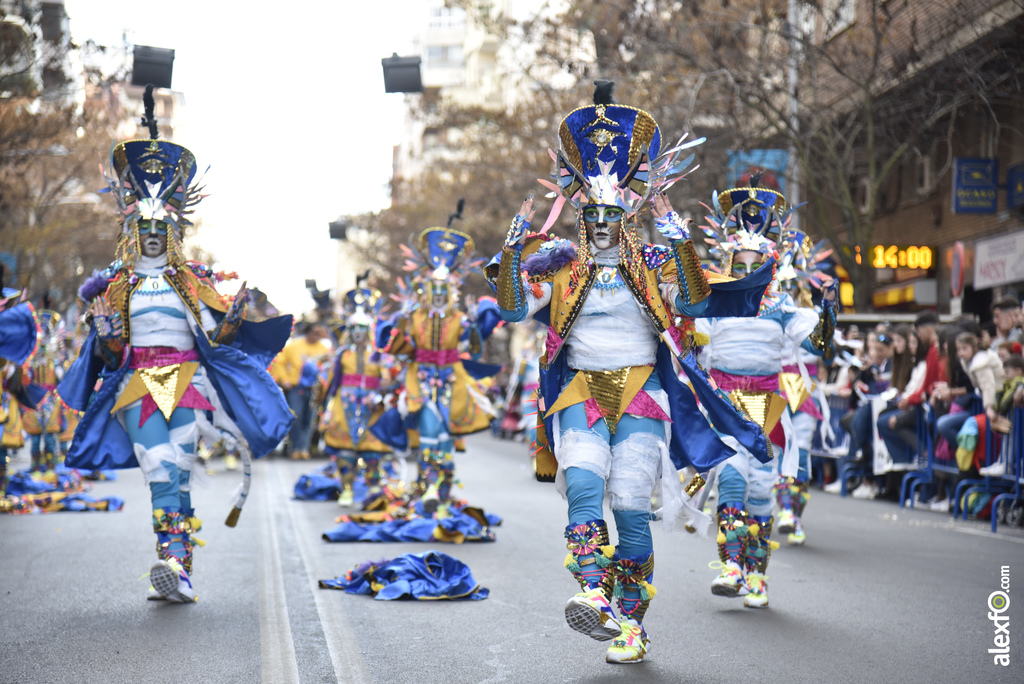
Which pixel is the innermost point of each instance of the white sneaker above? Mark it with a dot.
(865, 491)
(834, 488)
(589, 612)
(171, 581)
(997, 469)
(942, 506)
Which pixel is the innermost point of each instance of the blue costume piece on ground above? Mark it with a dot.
(323, 484)
(78, 502)
(417, 529)
(246, 391)
(422, 576)
(320, 485)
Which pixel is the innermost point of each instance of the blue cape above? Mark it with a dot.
(237, 372)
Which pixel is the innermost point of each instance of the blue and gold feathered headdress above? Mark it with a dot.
(361, 305)
(745, 219)
(611, 154)
(152, 180)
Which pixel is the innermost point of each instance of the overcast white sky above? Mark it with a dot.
(287, 107)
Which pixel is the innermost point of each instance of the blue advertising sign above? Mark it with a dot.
(741, 163)
(975, 185)
(1015, 186)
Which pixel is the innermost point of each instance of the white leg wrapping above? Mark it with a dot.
(582, 449)
(181, 437)
(761, 479)
(635, 469)
(151, 461)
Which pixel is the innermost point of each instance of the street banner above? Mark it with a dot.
(975, 185)
(999, 261)
(1015, 186)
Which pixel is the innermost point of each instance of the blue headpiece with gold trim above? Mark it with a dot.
(745, 219)
(611, 154)
(444, 247)
(152, 180)
(361, 306)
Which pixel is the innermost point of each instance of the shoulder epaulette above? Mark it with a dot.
(656, 255)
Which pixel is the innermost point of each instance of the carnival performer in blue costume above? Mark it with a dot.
(616, 419)
(746, 358)
(799, 273)
(175, 357)
(354, 402)
(443, 397)
(18, 343)
(45, 423)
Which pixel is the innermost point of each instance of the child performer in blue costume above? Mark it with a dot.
(616, 416)
(745, 358)
(173, 354)
(443, 397)
(799, 272)
(355, 382)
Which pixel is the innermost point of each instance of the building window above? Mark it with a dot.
(444, 55)
(447, 19)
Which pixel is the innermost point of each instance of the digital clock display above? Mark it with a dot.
(897, 256)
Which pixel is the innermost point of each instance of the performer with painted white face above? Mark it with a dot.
(615, 418)
(444, 398)
(746, 359)
(354, 386)
(175, 356)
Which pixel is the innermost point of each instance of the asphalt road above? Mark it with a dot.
(878, 594)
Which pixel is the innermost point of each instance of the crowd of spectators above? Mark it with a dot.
(952, 380)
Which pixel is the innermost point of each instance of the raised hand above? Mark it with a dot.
(667, 221)
(107, 321)
(661, 206)
(829, 289)
(521, 223)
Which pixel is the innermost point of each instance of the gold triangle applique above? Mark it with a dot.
(162, 383)
(606, 387)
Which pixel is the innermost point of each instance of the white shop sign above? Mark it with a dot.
(999, 261)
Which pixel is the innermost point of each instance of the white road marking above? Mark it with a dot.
(342, 645)
(276, 647)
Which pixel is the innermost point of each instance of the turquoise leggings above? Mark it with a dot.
(585, 489)
(166, 495)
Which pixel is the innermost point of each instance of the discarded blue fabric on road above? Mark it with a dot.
(52, 502)
(426, 576)
(454, 526)
(323, 485)
(320, 485)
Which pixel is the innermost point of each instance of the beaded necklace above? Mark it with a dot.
(608, 279)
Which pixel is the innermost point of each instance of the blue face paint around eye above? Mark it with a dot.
(158, 227)
(593, 214)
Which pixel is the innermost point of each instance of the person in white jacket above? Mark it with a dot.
(986, 374)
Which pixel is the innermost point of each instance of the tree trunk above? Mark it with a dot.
(863, 278)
